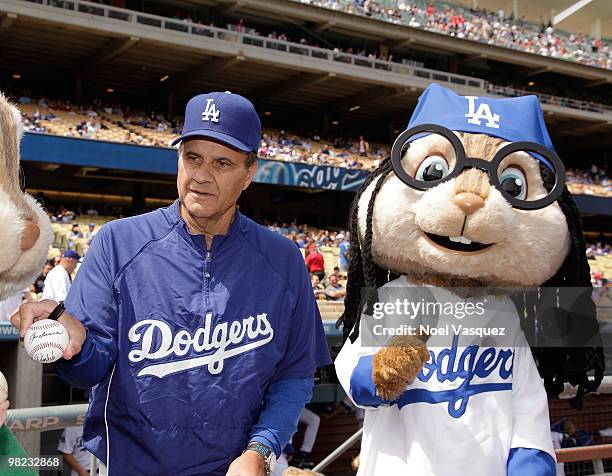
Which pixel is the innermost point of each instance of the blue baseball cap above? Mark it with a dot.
(70, 254)
(512, 119)
(226, 117)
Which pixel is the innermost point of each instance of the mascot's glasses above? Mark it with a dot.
(510, 181)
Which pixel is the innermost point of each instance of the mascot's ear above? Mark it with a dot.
(552, 307)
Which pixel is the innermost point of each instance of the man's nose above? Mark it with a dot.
(468, 202)
(204, 173)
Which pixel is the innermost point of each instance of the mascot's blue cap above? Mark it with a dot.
(512, 119)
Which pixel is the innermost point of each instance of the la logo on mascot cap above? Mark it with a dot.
(471, 209)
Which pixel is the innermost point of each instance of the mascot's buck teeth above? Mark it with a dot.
(460, 239)
(204, 339)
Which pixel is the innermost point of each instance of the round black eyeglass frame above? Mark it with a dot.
(491, 167)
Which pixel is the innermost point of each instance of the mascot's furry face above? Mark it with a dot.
(463, 231)
(474, 196)
(25, 233)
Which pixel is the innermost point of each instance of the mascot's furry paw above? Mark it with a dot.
(291, 471)
(397, 365)
(25, 233)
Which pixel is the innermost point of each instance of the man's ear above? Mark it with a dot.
(250, 176)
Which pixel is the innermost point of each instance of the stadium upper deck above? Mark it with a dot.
(164, 60)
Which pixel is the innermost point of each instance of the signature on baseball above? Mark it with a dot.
(39, 334)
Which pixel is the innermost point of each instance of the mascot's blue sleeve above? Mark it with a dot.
(354, 371)
(362, 388)
(523, 461)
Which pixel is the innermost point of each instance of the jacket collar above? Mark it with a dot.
(219, 242)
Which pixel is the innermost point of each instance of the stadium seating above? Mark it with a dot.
(480, 25)
(108, 124)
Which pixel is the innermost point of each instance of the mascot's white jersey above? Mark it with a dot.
(469, 406)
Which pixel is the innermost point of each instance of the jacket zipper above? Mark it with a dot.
(207, 265)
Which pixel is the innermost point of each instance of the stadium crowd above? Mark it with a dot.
(592, 181)
(499, 28)
(485, 26)
(326, 251)
(123, 124)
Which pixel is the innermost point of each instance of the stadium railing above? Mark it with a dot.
(198, 29)
(63, 416)
(550, 99)
(421, 20)
(293, 48)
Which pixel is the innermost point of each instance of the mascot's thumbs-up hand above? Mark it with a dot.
(397, 365)
(25, 233)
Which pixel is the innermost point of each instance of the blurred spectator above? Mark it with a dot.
(91, 232)
(39, 282)
(334, 291)
(73, 236)
(345, 245)
(74, 453)
(315, 263)
(58, 281)
(312, 422)
(364, 147)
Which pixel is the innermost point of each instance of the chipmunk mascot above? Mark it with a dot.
(25, 235)
(470, 212)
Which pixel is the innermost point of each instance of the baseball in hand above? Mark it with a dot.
(45, 341)
(3, 388)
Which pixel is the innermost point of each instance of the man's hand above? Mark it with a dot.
(3, 409)
(31, 312)
(250, 463)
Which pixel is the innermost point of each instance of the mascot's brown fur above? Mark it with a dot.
(397, 365)
(25, 233)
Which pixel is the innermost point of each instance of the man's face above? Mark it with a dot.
(46, 269)
(333, 279)
(211, 177)
(71, 264)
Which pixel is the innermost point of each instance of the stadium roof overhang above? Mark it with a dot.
(398, 35)
(132, 58)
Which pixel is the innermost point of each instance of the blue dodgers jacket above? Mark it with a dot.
(183, 342)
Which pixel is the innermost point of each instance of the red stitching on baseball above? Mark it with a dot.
(49, 325)
(43, 345)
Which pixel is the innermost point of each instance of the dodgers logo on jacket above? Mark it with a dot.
(491, 365)
(216, 343)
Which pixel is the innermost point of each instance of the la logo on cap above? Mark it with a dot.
(211, 113)
(483, 113)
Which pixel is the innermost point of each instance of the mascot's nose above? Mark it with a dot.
(30, 235)
(468, 202)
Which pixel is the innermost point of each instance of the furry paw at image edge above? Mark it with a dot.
(291, 471)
